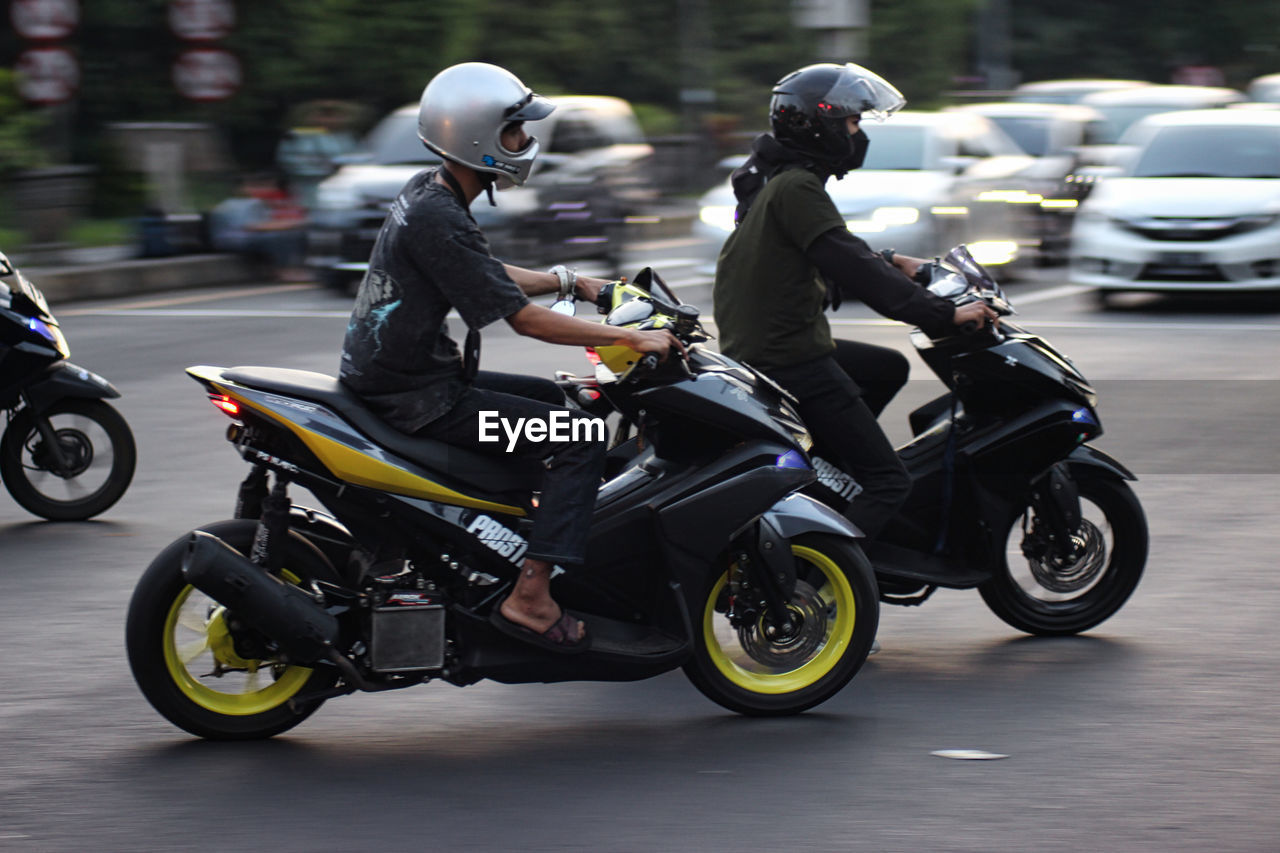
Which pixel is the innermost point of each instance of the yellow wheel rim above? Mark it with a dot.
(734, 661)
(197, 642)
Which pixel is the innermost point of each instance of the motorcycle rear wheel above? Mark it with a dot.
(177, 639)
(99, 446)
(1058, 599)
(745, 670)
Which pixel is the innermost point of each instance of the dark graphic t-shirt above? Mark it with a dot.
(430, 256)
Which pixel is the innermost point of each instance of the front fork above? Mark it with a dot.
(766, 576)
(61, 464)
(1055, 501)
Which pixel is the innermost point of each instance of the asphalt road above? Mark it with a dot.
(1155, 732)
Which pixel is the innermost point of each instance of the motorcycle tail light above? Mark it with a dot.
(222, 401)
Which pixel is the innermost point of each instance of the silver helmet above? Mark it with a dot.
(464, 110)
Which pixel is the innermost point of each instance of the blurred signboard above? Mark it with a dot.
(202, 20)
(47, 75)
(206, 74)
(44, 20)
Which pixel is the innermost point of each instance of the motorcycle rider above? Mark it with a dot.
(431, 257)
(791, 255)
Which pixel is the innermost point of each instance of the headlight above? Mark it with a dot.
(718, 216)
(1252, 223)
(883, 218)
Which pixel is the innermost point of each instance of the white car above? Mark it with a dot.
(1196, 208)
(930, 181)
(1068, 91)
(1121, 108)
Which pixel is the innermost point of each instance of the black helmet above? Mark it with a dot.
(809, 107)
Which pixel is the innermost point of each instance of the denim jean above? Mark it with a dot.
(563, 519)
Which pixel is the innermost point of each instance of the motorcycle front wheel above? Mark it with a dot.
(99, 455)
(185, 658)
(747, 665)
(1040, 592)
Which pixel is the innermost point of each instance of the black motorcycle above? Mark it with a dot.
(66, 453)
(701, 556)
(1007, 494)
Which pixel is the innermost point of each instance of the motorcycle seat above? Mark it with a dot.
(488, 472)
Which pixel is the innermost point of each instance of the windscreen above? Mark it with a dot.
(895, 147)
(978, 278)
(1032, 135)
(395, 140)
(1211, 152)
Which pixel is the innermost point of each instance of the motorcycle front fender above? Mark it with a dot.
(797, 514)
(1092, 457)
(65, 379)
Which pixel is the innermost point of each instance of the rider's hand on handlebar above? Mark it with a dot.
(975, 315)
(660, 342)
(907, 264)
(587, 287)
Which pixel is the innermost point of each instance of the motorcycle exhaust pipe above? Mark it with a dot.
(302, 629)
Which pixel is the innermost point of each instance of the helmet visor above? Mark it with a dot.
(531, 108)
(860, 92)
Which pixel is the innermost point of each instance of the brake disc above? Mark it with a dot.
(1076, 571)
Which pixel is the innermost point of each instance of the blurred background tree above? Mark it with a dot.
(380, 55)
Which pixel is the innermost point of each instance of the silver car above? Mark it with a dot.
(1058, 136)
(587, 180)
(1196, 208)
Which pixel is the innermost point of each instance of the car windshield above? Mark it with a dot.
(1211, 152)
(1031, 134)
(395, 140)
(895, 147)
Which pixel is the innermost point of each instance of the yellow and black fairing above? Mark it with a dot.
(308, 428)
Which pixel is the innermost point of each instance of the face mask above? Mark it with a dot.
(858, 144)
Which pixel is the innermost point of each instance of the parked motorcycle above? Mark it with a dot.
(1007, 495)
(701, 556)
(66, 453)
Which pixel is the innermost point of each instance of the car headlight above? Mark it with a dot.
(883, 218)
(1252, 223)
(718, 216)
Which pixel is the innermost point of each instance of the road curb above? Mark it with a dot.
(146, 275)
(68, 283)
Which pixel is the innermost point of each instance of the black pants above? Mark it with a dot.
(574, 468)
(840, 396)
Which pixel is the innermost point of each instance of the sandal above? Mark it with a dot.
(554, 639)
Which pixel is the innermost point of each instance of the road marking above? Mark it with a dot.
(1082, 324)
(1051, 293)
(212, 313)
(232, 293)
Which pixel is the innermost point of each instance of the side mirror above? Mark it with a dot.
(565, 306)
